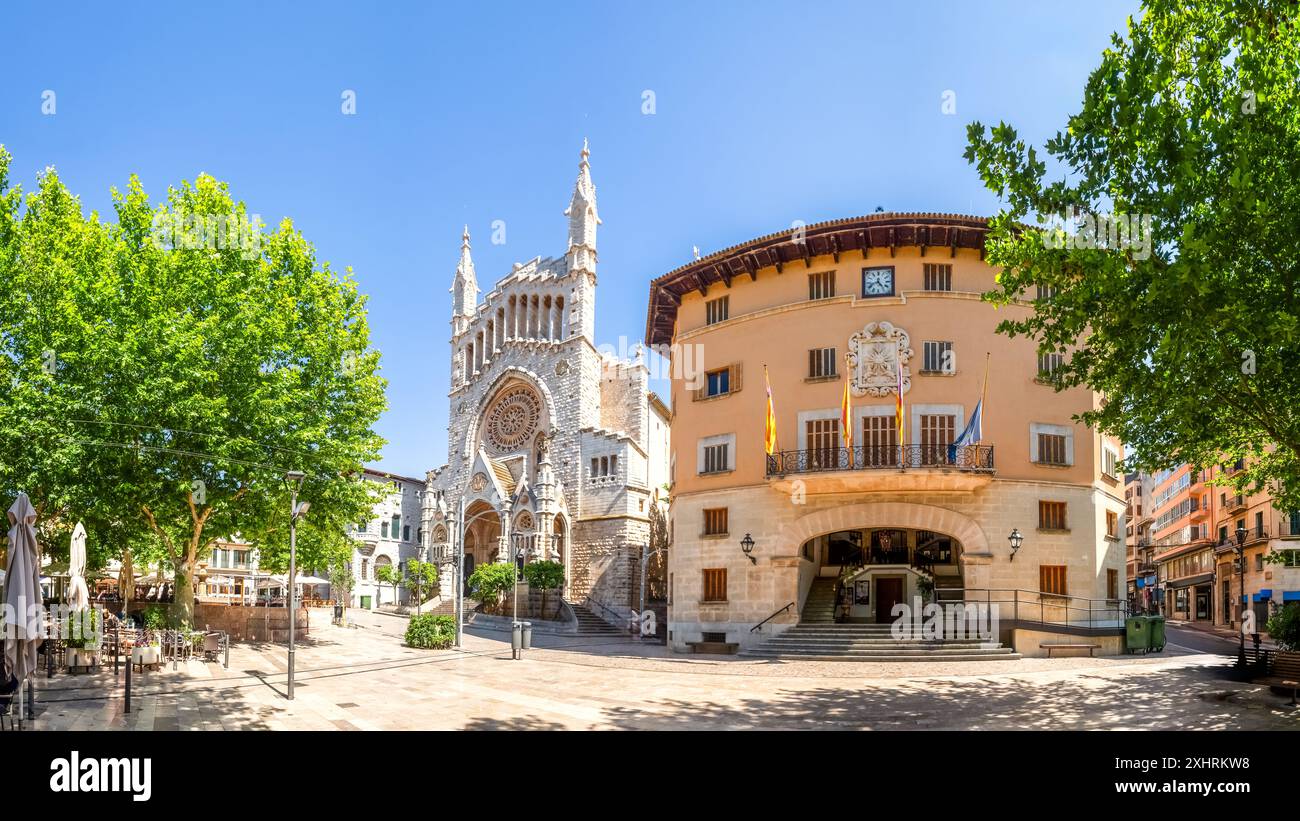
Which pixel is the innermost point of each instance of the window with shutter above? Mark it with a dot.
(822, 438)
(1051, 449)
(1051, 516)
(938, 277)
(1051, 579)
(715, 585)
(936, 435)
(880, 441)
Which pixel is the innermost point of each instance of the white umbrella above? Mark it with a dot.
(78, 597)
(23, 591)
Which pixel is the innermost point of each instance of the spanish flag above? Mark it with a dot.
(898, 403)
(846, 415)
(769, 423)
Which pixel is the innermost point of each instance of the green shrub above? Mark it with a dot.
(544, 575)
(489, 581)
(431, 632)
(155, 618)
(1284, 627)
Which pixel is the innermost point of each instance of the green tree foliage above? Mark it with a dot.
(167, 369)
(489, 582)
(1192, 118)
(421, 578)
(544, 576)
(1284, 627)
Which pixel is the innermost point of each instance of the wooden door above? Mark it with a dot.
(889, 592)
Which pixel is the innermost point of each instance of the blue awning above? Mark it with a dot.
(1141, 582)
(1258, 597)
(1291, 595)
(1265, 594)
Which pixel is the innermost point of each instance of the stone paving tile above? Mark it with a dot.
(364, 679)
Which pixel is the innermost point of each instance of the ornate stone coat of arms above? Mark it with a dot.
(875, 354)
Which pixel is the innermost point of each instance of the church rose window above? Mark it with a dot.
(513, 419)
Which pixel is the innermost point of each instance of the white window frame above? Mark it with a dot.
(728, 439)
(1036, 428)
(1107, 450)
(914, 425)
(815, 416)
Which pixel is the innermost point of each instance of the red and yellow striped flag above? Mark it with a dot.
(769, 423)
(898, 403)
(846, 415)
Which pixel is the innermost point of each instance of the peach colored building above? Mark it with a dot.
(858, 299)
(1263, 530)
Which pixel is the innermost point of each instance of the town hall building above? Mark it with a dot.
(554, 449)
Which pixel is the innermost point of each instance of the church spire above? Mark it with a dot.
(464, 288)
(583, 217)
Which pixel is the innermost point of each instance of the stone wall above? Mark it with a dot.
(251, 623)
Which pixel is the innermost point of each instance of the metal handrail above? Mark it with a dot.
(977, 458)
(1058, 601)
(769, 618)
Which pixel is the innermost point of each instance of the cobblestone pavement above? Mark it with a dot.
(361, 678)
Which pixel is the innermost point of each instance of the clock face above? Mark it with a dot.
(877, 281)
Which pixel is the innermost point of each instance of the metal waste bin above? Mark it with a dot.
(1157, 630)
(338, 614)
(1137, 634)
(516, 637)
(528, 635)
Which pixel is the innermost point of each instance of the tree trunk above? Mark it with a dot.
(183, 598)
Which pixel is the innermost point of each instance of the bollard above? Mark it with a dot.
(128, 685)
(225, 637)
(31, 698)
(516, 639)
(528, 636)
(117, 651)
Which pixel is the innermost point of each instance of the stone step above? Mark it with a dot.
(1009, 656)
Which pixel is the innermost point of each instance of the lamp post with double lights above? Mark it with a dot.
(296, 511)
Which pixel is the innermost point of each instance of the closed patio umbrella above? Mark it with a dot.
(78, 595)
(23, 591)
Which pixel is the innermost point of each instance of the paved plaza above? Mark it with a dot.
(362, 678)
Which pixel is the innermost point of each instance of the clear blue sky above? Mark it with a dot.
(468, 113)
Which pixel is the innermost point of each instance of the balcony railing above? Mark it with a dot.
(974, 458)
(1290, 525)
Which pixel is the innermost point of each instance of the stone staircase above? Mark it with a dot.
(819, 607)
(447, 607)
(589, 624)
(817, 637)
(871, 642)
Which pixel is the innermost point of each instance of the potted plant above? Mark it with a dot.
(82, 639)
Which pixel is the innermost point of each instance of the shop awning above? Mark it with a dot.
(1191, 581)
(1291, 595)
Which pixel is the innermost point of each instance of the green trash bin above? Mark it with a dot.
(1137, 634)
(1157, 632)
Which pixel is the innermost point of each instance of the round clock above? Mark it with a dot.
(877, 282)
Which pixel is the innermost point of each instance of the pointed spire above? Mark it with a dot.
(582, 214)
(464, 288)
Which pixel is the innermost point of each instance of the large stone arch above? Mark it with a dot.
(888, 514)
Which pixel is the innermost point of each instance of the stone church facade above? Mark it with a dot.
(554, 449)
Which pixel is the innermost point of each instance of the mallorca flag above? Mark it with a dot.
(898, 404)
(769, 423)
(846, 417)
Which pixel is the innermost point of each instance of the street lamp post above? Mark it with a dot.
(296, 512)
(1241, 621)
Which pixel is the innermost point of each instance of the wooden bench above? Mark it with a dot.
(1050, 646)
(1286, 673)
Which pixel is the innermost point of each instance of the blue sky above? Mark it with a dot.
(765, 113)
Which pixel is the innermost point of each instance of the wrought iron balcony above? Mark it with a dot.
(969, 458)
